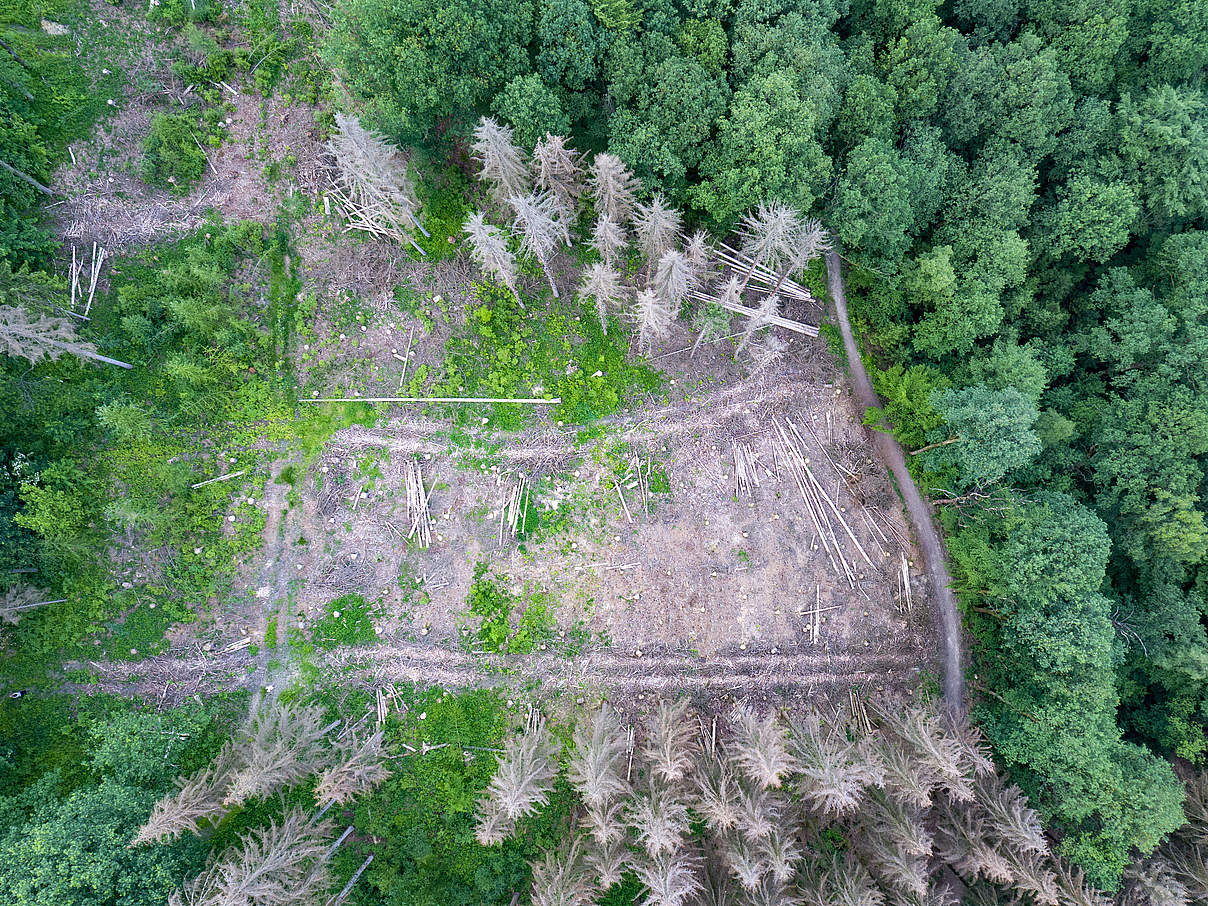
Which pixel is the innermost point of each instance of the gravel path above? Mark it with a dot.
(926, 536)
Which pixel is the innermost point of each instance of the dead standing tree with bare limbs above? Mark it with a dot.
(557, 169)
(540, 228)
(489, 247)
(604, 287)
(502, 162)
(612, 185)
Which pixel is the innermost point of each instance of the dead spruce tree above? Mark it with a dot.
(520, 786)
(489, 247)
(284, 747)
(608, 238)
(198, 798)
(740, 811)
(657, 228)
(653, 318)
(360, 766)
(558, 169)
(604, 287)
(540, 228)
(370, 184)
(36, 337)
(767, 237)
(281, 746)
(278, 865)
(612, 185)
(501, 161)
(672, 280)
(769, 308)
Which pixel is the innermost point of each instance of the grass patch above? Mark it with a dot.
(508, 623)
(550, 349)
(347, 620)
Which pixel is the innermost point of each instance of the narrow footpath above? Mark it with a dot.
(931, 547)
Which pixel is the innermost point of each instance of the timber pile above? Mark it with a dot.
(514, 512)
(746, 478)
(417, 503)
(828, 519)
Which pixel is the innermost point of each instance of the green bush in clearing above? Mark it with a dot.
(172, 160)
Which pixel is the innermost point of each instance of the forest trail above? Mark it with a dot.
(926, 535)
(797, 672)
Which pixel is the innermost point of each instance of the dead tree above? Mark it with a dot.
(760, 747)
(489, 247)
(652, 317)
(198, 798)
(768, 236)
(603, 286)
(521, 784)
(612, 185)
(25, 336)
(558, 169)
(608, 238)
(360, 767)
(657, 227)
(370, 183)
(560, 879)
(501, 161)
(769, 308)
(536, 219)
(672, 280)
(278, 865)
(283, 747)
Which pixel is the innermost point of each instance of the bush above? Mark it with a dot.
(172, 159)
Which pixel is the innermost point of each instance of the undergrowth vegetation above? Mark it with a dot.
(549, 349)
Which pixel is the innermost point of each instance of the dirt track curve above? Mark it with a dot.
(928, 539)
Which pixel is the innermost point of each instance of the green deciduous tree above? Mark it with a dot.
(419, 63)
(994, 432)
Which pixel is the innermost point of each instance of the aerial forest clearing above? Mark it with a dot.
(603, 452)
(725, 528)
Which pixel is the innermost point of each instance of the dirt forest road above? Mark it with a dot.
(926, 536)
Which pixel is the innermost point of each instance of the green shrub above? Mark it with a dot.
(172, 159)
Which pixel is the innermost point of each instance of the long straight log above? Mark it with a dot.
(25, 177)
(808, 330)
(552, 401)
(343, 894)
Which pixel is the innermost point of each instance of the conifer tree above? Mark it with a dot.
(603, 286)
(657, 227)
(489, 247)
(672, 280)
(284, 746)
(608, 238)
(768, 236)
(501, 161)
(557, 169)
(540, 229)
(612, 185)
